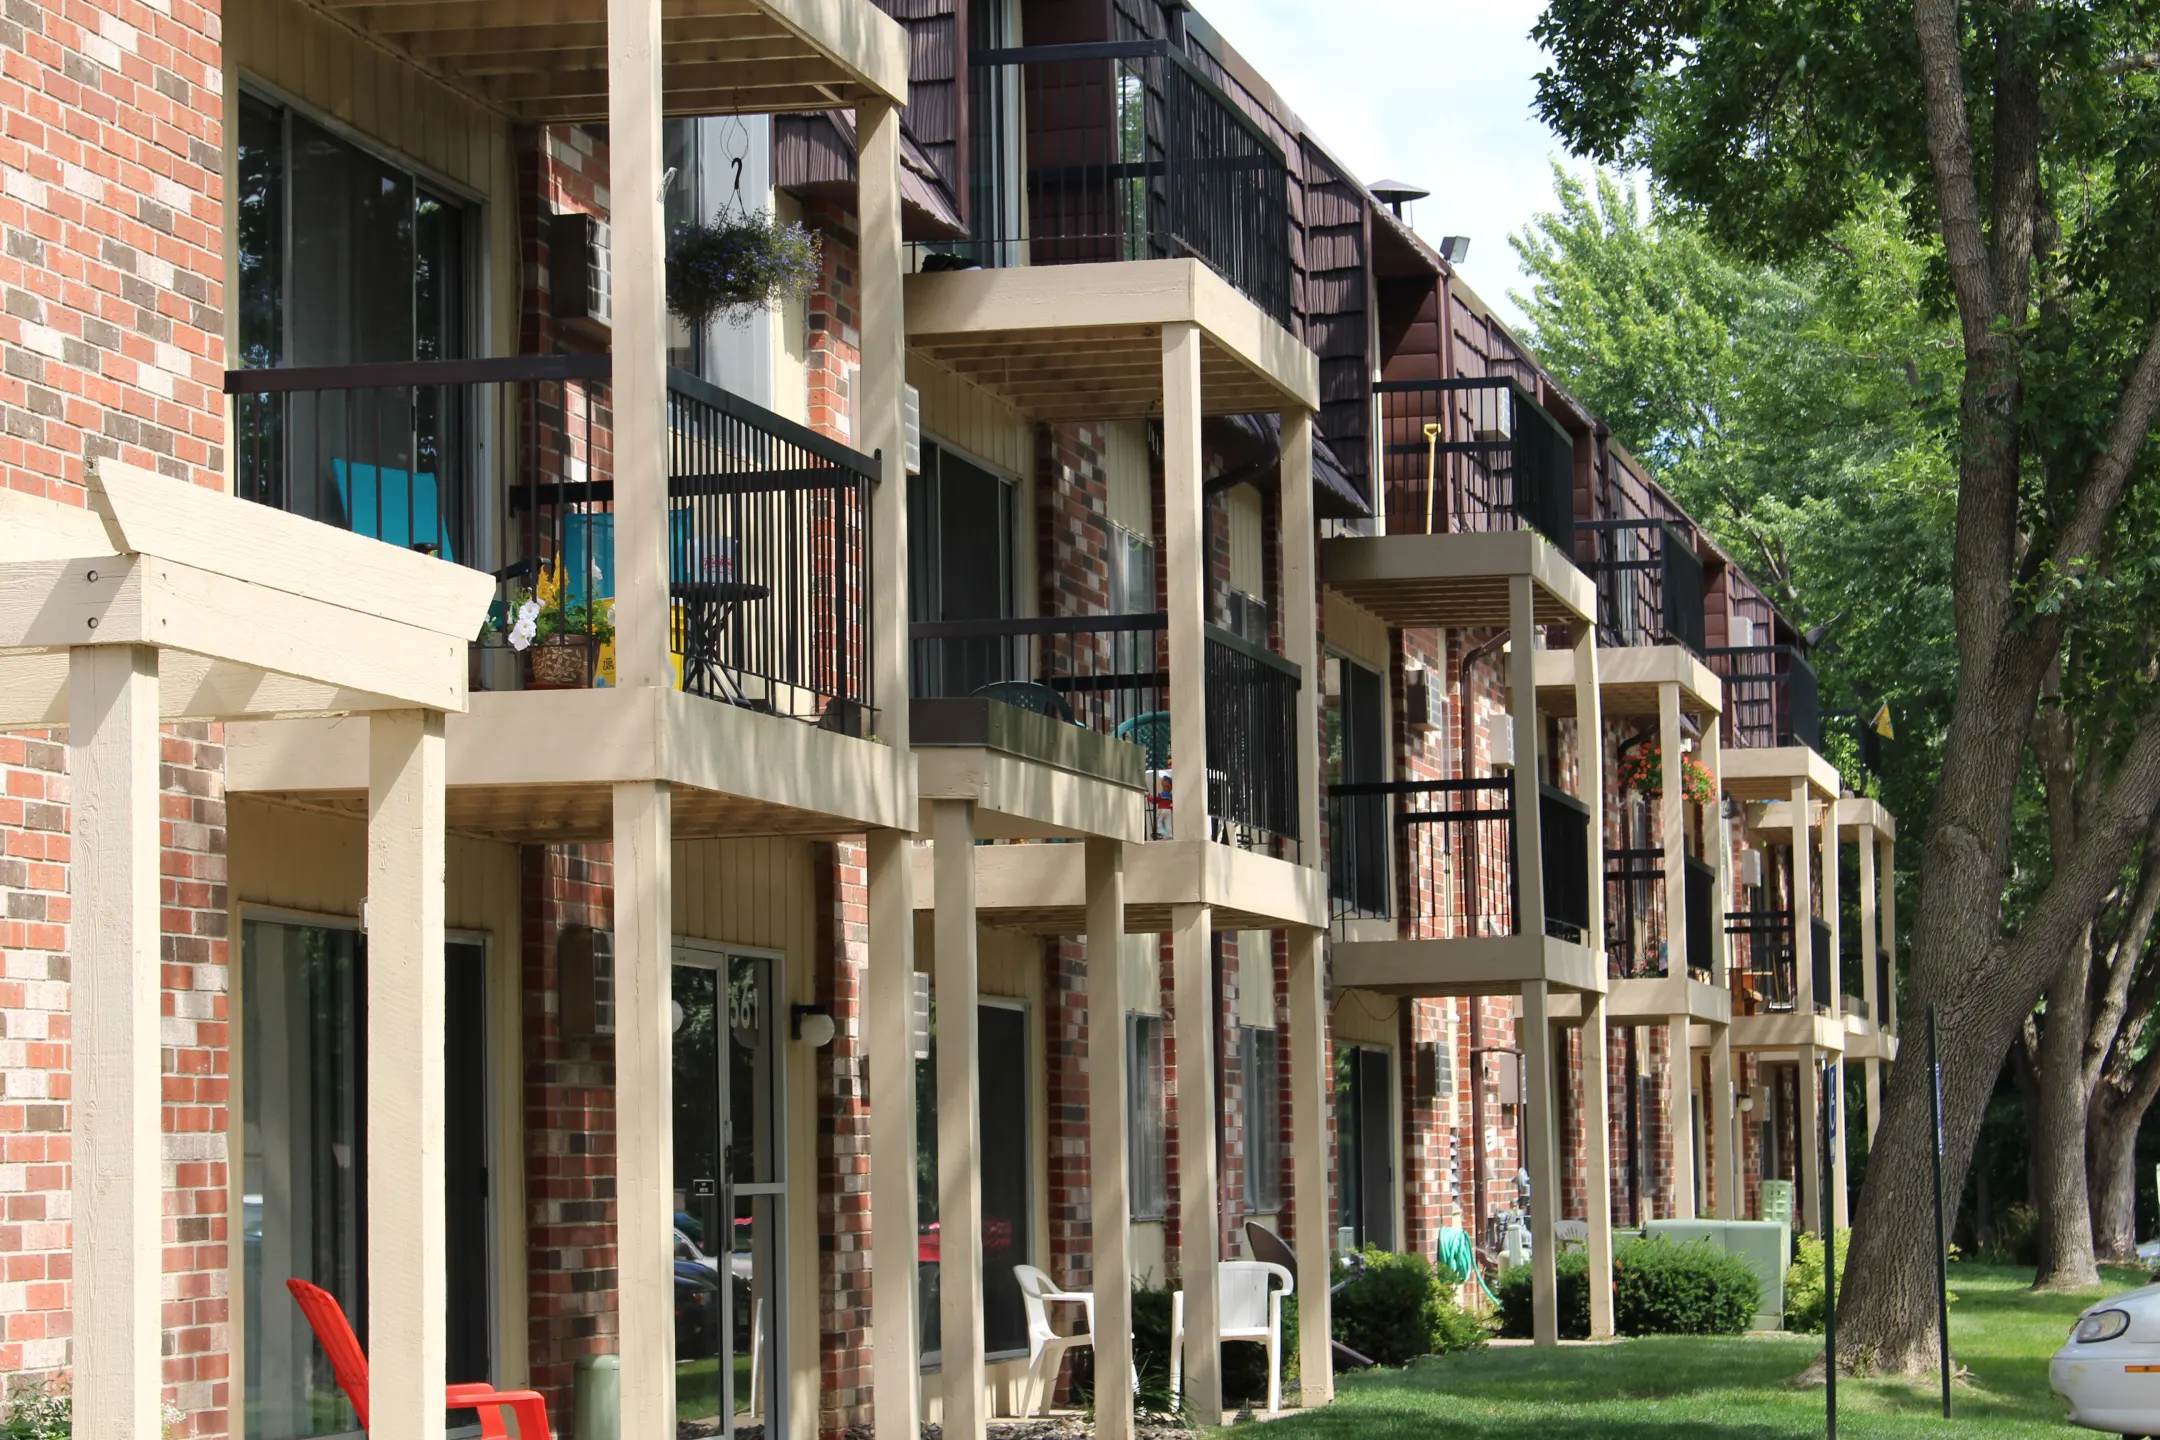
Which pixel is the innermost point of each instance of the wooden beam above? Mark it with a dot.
(1301, 619)
(498, 60)
(457, 46)
(1724, 1137)
(1597, 1159)
(1199, 1190)
(1185, 553)
(889, 1035)
(750, 77)
(407, 1247)
(34, 692)
(1312, 1077)
(1109, 1111)
(881, 258)
(34, 528)
(959, 1109)
(1540, 1151)
(115, 947)
(645, 1103)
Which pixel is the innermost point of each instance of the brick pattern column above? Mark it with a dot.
(843, 1157)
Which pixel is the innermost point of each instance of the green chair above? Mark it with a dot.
(1151, 732)
(1027, 695)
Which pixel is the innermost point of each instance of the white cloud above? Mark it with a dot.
(1437, 93)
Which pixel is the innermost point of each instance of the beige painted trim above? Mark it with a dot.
(958, 984)
(113, 757)
(1755, 1034)
(1639, 668)
(1199, 1202)
(1483, 965)
(1764, 774)
(1043, 887)
(1725, 1159)
(1301, 613)
(33, 692)
(1541, 1159)
(856, 36)
(888, 1020)
(1597, 1160)
(1367, 567)
(1651, 1000)
(883, 376)
(1311, 1160)
(1185, 555)
(1019, 798)
(1109, 1110)
(644, 1103)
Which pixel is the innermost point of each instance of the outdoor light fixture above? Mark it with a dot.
(812, 1024)
(1454, 248)
(1746, 1103)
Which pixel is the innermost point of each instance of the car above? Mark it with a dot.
(2109, 1368)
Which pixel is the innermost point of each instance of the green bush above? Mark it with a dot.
(1658, 1289)
(1804, 1282)
(1244, 1362)
(1400, 1309)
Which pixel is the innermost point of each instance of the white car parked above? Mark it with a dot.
(2109, 1368)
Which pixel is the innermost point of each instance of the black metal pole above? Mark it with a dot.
(1942, 1238)
(1827, 1079)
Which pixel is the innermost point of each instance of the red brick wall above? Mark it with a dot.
(843, 1161)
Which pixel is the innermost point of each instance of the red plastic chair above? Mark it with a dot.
(349, 1363)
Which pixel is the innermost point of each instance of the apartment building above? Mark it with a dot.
(582, 987)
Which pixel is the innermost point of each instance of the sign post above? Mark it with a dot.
(1827, 1078)
(1942, 1238)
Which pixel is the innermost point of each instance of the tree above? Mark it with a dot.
(2024, 136)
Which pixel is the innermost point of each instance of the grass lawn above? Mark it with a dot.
(1734, 1389)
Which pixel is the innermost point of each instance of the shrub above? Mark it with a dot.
(1244, 1363)
(738, 263)
(39, 1412)
(1664, 1289)
(1804, 1282)
(1658, 1289)
(1399, 1309)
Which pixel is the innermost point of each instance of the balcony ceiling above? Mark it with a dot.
(546, 60)
(1084, 342)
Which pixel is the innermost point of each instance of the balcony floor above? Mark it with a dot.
(1656, 1000)
(1487, 965)
(1769, 773)
(1457, 579)
(541, 765)
(1787, 1032)
(1629, 680)
(1042, 888)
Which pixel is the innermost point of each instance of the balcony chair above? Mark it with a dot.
(1046, 1348)
(1251, 1310)
(349, 1363)
(1029, 695)
(1151, 732)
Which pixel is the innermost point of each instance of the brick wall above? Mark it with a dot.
(843, 1158)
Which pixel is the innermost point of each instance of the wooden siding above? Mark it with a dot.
(972, 419)
(1337, 245)
(300, 52)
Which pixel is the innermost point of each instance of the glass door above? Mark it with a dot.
(729, 1197)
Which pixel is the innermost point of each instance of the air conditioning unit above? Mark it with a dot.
(911, 427)
(1751, 867)
(579, 274)
(1425, 698)
(585, 982)
(1500, 740)
(1743, 632)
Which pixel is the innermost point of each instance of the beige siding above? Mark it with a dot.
(971, 418)
(1358, 633)
(1126, 476)
(1247, 572)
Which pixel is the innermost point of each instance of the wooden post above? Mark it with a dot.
(1301, 618)
(889, 1035)
(637, 239)
(1724, 1139)
(960, 1272)
(882, 378)
(1590, 728)
(1528, 817)
(1719, 835)
(1541, 1158)
(1672, 827)
(1680, 1098)
(1840, 1166)
(1185, 552)
(1597, 1160)
(1199, 1200)
(1870, 935)
(1889, 925)
(114, 941)
(1109, 1106)
(1832, 904)
(1311, 1077)
(407, 1251)
(1808, 1138)
(645, 1103)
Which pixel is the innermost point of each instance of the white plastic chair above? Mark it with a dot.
(1251, 1310)
(1046, 1348)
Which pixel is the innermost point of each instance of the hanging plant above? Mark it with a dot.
(738, 263)
(1643, 771)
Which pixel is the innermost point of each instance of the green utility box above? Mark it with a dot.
(1766, 1246)
(598, 1399)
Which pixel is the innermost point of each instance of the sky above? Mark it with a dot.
(1436, 93)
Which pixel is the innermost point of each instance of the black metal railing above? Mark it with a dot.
(1129, 153)
(506, 465)
(1455, 852)
(1474, 454)
(1638, 941)
(1360, 877)
(1883, 997)
(1771, 698)
(1823, 964)
(1763, 972)
(1649, 580)
(1701, 901)
(1252, 742)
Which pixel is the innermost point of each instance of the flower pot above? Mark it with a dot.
(560, 662)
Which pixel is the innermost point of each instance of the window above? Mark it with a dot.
(345, 259)
(1364, 1152)
(962, 565)
(1147, 1152)
(1247, 616)
(1260, 1066)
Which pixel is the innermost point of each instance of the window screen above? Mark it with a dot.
(1260, 1060)
(1147, 1158)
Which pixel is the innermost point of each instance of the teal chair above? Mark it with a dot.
(393, 506)
(1151, 732)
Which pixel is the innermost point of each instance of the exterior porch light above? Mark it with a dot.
(812, 1024)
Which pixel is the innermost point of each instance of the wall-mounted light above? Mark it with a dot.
(1746, 1103)
(812, 1024)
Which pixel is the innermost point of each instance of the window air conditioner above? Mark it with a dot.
(1500, 740)
(579, 273)
(585, 981)
(1425, 698)
(911, 427)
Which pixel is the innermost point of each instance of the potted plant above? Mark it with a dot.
(559, 636)
(738, 263)
(1643, 771)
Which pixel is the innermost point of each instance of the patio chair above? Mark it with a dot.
(1027, 695)
(349, 1363)
(1251, 1310)
(1046, 1348)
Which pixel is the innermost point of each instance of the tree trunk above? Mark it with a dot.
(2111, 1155)
(2058, 1130)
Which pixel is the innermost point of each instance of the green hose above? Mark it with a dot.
(1457, 1254)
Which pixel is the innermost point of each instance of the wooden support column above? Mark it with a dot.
(1672, 831)
(1528, 817)
(645, 1103)
(889, 1035)
(1301, 618)
(960, 1262)
(1680, 1099)
(1109, 1106)
(407, 1252)
(1311, 1163)
(1808, 1137)
(1540, 1158)
(1718, 833)
(1724, 1135)
(1597, 1161)
(114, 942)
(1597, 1131)
(1832, 904)
(1185, 552)
(1870, 936)
(1199, 1197)
(883, 380)
(637, 238)
(1840, 1166)
(1889, 927)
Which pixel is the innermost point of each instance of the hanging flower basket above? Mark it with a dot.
(1642, 770)
(737, 264)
